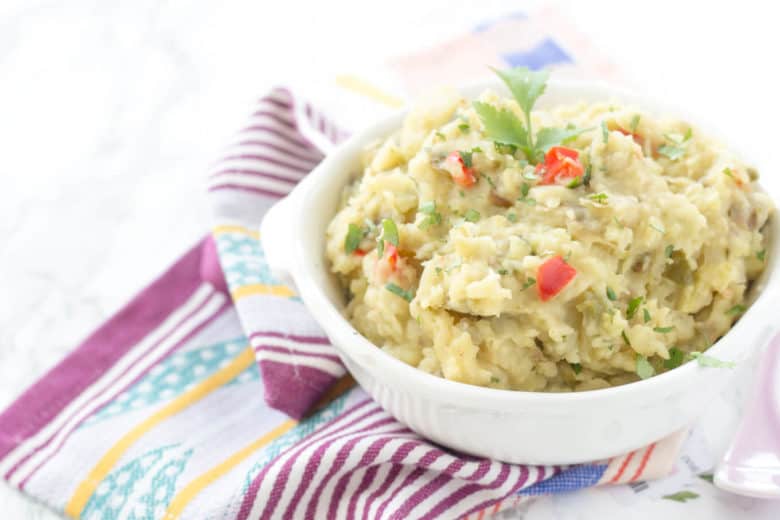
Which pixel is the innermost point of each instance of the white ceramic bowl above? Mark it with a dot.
(511, 426)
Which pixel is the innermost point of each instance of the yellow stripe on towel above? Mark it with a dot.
(87, 487)
(235, 228)
(258, 288)
(366, 89)
(191, 490)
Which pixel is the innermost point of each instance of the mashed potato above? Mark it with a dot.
(464, 260)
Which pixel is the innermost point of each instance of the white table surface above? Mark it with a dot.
(110, 113)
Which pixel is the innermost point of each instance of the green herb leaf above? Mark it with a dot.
(476, 149)
(398, 291)
(736, 310)
(600, 198)
(659, 229)
(643, 367)
(489, 180)
(625, 338)
(524, 189)
(604, 132)
(728, 172)
(682, 496)
(511, 217)
(588, 171)
(633, 305)
(575, 183)
(706, 476)
(502, 126)
(529, 175)
(440, 135)
(646, 315)
(761, 255)
(494, 379)
(611, 294)
(390, 231)
(634, 123)
(663, 330)
(504, 148)
(464, 127)
(471, 215)
(669, 250)
(429, 208)
(462, 193)
(526, 85)
(676, 358)
(576, 367)
(528, 283)
(671, 151)
(708, 361)
(352, 239)
(466, 158)
(546, 138)
(502, 272)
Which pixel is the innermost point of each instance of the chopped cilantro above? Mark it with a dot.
(646, 315)
(529, 175)
(676, 149)
(643, 367)
(466, 158)
(489, 180)
(464, 127)
(440, 135)
(682, 496)
(352, 239)
(634, 123)
(633, 305)
(706, 476)
(576, 367)
(432, 218)
(669, 250)
(494, 379)
(676, 358)
(625, 338)
(524, 189)
(398, 291)
(508, 149)
(390, 231)
(471, 215)
(657, 228)
(511, 217)
(663, 330)
(761, 255)
(727, 171)
(611, 294)
(503, 272)
(476, 149)
(736, 310)
(587, 176)
(528, 283)
(575, 183)
(462, 193)
(604, 132)
(708, 361)
(600, 198)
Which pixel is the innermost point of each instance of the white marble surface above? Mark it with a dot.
(111, 111)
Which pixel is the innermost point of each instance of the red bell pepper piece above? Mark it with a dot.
(460, 173)
(560, 162)
(553, 275)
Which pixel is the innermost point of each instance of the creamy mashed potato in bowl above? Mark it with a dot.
(498, 293)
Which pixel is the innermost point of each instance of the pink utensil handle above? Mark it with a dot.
(751, 466)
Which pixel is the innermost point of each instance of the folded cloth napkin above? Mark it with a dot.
(213, 393)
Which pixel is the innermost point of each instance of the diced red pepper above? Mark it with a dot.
(638, 139)
(553, 275)
(560, 163)
(359, 252)
(460, 173)
(391, 252)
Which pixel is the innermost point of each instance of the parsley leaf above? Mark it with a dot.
(663, 330)
(576, 367)
(682, 496)
(504, 148)
(646, 315)
(390, 231)
(676, 149)
(761, 255)
(439, 135)
(502, 126)
(634, 123)
(433, 217)
(471, 215)
(546, 138)
(625, 338)
(643, 367)
(511, 217)
(676, 358)
(711, 362)
(600, 198)
(604, 132)
(528, 283)
(398, 291)
(633, 305)
(587, 176)
(352, 239)
(611, 294)
(466, 158)
(669, 250)
(464, 127)
(575, 183)
(736, 310)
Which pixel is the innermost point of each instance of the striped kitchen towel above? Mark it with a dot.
(213, 394)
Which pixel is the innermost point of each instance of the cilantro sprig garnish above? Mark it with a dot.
(400, 292)
(507, 130)
(432, 217)
(676, 145)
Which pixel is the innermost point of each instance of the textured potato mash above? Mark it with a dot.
(654, 240)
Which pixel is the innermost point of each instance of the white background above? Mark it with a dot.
(110, 112)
